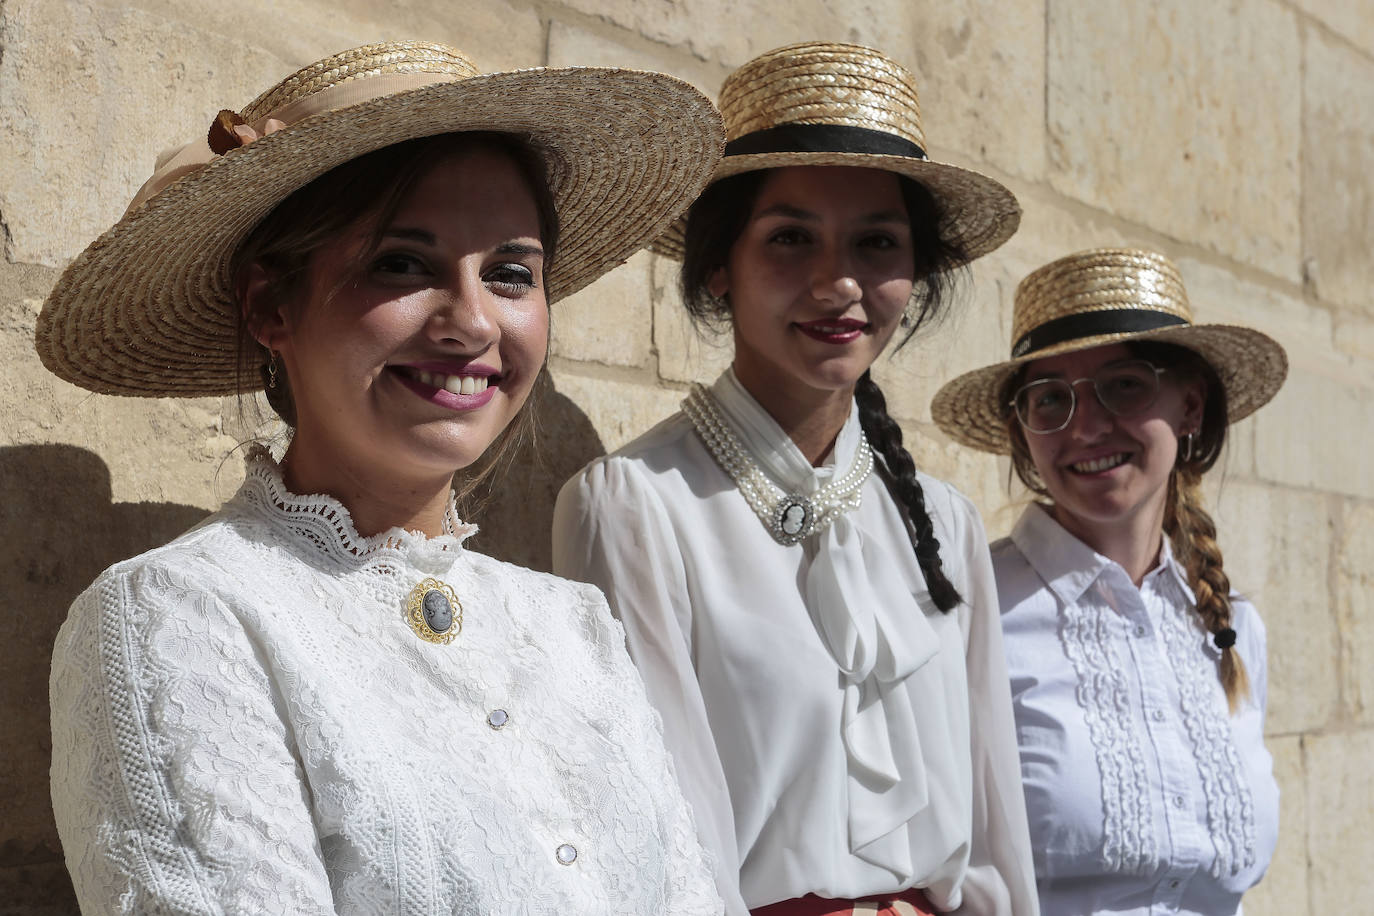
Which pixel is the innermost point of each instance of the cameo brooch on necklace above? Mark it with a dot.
(434, 613)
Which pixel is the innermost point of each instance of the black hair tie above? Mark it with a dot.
(1224, 638)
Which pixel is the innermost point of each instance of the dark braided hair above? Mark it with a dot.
(716, 221)
(885, 436)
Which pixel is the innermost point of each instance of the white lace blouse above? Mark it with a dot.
(1145, 795)
(834, 732)
(244, 722)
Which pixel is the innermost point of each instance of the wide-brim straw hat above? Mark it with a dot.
(1092, 299)
(825, 103)
(149, 307)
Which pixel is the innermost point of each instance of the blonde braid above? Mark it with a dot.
(1194, 537)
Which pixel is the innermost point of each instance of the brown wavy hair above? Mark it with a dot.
(1190, 528)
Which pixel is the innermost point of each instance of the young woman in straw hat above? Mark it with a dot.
(318, 700)
(1137, 675)
(814, 617)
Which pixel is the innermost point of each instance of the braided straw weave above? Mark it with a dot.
(852, 86)
(1251, 366)
(148, 308)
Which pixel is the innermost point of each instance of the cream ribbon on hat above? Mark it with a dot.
(179, 161)
(877, 643)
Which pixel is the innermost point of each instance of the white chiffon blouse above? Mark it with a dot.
(244, 722)
(835, 733)
(1145, 795)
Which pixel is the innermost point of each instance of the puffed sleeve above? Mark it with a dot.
(1001, 874)
(175, 782)
(610, 529)
(1248, 733)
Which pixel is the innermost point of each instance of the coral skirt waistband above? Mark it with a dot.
(905, 903)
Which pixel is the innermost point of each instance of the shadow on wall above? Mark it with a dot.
(60, 530)
(516, 517)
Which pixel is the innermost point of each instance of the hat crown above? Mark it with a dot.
(361, 63)
(1099, 280)
(822, 83)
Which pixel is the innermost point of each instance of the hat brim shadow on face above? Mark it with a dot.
(1250, 365)
(148, 309)
(979, 213)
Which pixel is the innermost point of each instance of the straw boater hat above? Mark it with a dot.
(148, 309)
(822, 103)
(1098, 297)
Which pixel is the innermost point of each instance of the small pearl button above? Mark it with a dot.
(1158, 715)
(1140, 631)
(567, 854)
(1173, 885)
(1178, 801)
(498, 718)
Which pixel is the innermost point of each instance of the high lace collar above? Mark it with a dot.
(327, 525)
(773, 449)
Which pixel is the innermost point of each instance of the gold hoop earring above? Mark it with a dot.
(1187, 449)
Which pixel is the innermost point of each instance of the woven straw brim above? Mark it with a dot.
(1250, 365)
(980, 213)
(148, 308)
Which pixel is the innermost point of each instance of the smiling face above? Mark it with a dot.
(818, 278)
(416, 357)
(1106, 472)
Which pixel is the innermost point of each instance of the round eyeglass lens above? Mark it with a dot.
(1127, 388)
(1045, 405)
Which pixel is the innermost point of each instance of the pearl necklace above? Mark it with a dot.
(788, 517)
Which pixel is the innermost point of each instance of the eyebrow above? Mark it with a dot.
(886, 216)
(793, 212)
(425, 237)
(786, 210)
(518, 248)
(1051, 375)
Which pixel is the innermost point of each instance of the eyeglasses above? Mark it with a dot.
(1125, 389)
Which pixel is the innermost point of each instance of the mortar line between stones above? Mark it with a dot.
(1329, 31)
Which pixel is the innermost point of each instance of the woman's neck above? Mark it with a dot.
(376, 498)
(1134, 543)
(811, 418)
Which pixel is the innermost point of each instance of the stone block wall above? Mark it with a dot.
(1237, 137)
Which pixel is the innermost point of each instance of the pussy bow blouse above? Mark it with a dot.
(1145, 795)
(243, 722)
(834, 732)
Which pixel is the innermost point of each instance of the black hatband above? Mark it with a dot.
(1091, 324)
(823, 138)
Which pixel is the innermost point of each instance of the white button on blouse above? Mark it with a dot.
(1144, 794)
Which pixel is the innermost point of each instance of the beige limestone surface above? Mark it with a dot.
(1182, 116)
(1236, 137)
(1337, 157)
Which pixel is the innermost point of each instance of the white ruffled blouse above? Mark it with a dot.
(834, 732)
(1145, 795)
(243, 721)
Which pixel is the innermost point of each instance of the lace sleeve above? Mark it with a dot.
(175, 782)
